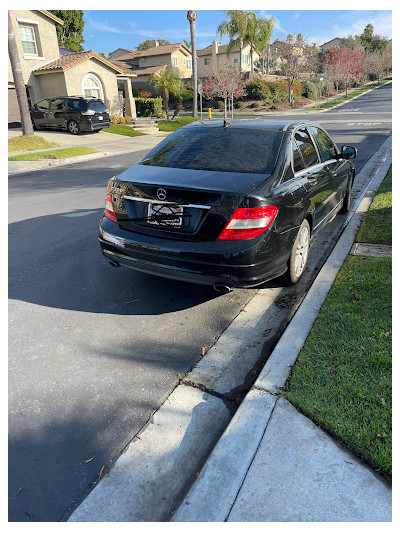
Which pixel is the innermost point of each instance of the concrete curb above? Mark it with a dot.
(214, 485)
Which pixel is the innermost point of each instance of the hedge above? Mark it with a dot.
(149, 107)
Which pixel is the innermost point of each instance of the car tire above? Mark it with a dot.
(299, 254)
(73, 127)
(347, 199)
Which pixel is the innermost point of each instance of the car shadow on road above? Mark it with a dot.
(56, 261)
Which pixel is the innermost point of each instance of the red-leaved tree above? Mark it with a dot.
(224, 83)
(342, 65)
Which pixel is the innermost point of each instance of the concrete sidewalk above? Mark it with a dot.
(107, 144)
(272, 464)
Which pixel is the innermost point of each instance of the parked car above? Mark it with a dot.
(230, 206)
(71, 113)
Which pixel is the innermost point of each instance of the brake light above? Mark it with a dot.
(247, 223)
(109, 210)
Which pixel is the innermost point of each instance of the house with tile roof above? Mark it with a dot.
(215, 56)
(176, 58)
(48, 73)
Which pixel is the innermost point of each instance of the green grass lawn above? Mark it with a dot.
(172, 125)
(342, 99)
(377, 224)
(342, 378)
(53, 154)
(120, 129)
(24, 143)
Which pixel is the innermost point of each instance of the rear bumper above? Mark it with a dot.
(235, 264)
(88, 126)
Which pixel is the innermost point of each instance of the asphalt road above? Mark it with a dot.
(94, 350)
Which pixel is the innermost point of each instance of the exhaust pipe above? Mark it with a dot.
(113, 263)
(223, 289)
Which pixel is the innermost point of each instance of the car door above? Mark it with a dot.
(337, 168)
(57, 112)
(40, 113)
(313, 177)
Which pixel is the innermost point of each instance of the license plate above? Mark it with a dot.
(100, 118)
(168, 215)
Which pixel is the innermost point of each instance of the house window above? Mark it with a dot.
(28, 39)
(236, 58)
(187, 63)
(175, 61)
(207, 60)
(91, 86)
(246, 59)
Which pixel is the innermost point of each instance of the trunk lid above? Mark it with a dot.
(208, 200)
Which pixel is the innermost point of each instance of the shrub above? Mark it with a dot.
(256, 104)
(119, 119)
(220, 105)
(238, 105)
(149, 107)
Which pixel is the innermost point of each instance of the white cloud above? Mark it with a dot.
(277, 26)
(173, 34)
(382, 23)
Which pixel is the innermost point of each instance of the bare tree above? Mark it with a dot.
(191, 16)
(295, 59)
(26, 122)
(225, 83)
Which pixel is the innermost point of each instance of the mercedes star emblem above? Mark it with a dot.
(161, 194)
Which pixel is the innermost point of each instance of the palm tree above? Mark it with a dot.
(191, 16)
(252, 36)
(165, 82)
(265, 27)
(181, 92)
(26, 122)
(236, 28)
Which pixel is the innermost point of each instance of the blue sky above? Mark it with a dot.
(107, 30)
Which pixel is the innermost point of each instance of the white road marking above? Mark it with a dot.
(363, 123)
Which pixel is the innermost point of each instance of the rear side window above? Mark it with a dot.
(219, 149)
(297, 159)
(325, 145)
(76, 105)
(97, 107)
(306, 147)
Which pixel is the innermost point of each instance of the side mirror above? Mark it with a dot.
(348, 152)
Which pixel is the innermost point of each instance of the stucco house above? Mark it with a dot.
(48, 73)
(215, 56)
(336, 42)
(176, 58)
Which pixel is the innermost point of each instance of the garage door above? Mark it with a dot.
(13, 109)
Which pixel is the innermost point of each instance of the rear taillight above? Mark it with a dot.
(109, 210)
(247, 223)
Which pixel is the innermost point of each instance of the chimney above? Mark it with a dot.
(215, 46)
(157, 43)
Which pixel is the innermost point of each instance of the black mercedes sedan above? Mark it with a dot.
(228, 205)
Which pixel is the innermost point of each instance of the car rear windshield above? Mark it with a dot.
(220, 149)
(98, 107)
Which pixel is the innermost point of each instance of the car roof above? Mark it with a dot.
(266, 125)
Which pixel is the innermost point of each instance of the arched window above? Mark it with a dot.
(91, 86)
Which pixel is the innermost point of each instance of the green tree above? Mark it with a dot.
(102, 54)
(166, 83)
(70, 34)
(370, 41)
(151, 43)
(188, 44)
(264, 31)
(236, 29)
(181, 92)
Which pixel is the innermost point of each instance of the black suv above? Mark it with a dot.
(72, 113)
